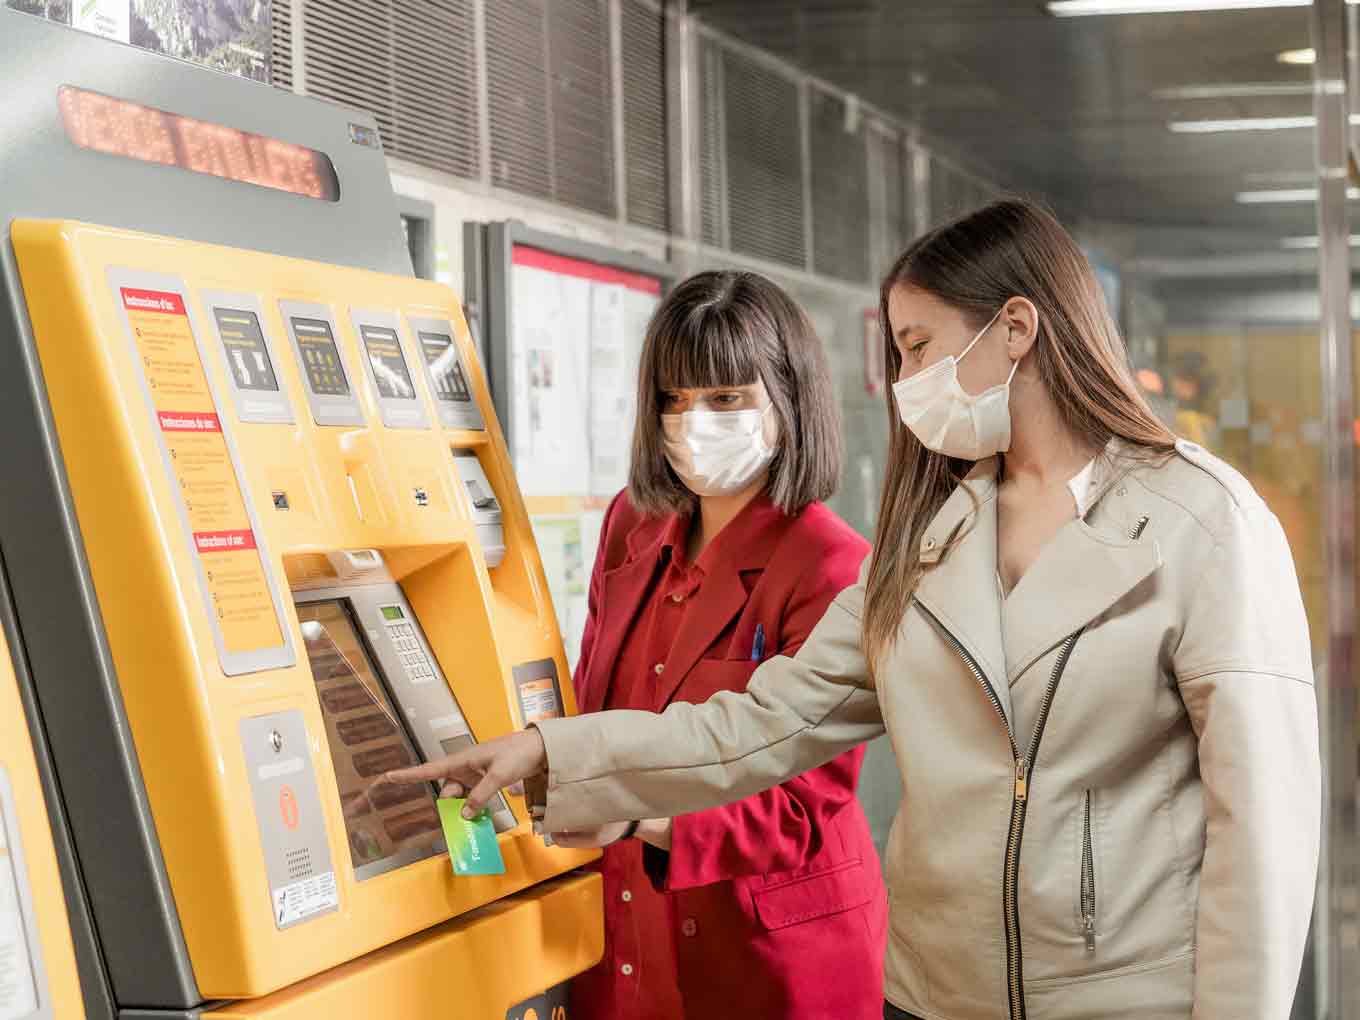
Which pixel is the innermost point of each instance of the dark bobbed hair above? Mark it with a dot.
(731, 328)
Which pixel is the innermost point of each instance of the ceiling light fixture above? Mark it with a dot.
(1213, 127)
(1297, 57)
(1287, 195)
(1245, 90)
(1080, 8)
(1309, 243)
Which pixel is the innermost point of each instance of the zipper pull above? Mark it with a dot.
(1090, 934)
(1021, 780)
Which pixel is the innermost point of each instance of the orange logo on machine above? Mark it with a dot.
(288, 807)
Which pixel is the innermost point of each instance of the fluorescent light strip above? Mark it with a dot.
(1280, 196)
(1212, 127)
(1298, 58)
(1245, 90)
(1310, 243)
(1080, 8)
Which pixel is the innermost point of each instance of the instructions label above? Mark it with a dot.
(18, 982)
(315, 895)
(540, 695)
(237, 586)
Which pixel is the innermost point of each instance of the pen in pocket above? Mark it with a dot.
(758, 646)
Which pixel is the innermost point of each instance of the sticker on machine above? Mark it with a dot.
(540, 694)
(18, 978)
(300, 900)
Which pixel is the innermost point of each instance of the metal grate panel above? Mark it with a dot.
(581, 104)
(762, 142)
(712, 159)
(411, 63)
(517, 87)
(889, 198)
(840, 189)
(281, 45)
(644, 114)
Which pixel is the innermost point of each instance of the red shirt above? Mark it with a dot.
(755, 900)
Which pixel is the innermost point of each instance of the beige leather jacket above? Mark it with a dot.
(1111, 779)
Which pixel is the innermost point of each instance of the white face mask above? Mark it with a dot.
(717, 453)
(948, 419)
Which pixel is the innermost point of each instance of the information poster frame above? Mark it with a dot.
(587, 371)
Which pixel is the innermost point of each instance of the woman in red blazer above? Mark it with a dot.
(718, 556)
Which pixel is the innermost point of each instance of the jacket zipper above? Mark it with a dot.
(1024, 775)
(1088, 880)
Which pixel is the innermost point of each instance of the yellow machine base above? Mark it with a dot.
(475, 967)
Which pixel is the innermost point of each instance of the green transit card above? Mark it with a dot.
(473, 849)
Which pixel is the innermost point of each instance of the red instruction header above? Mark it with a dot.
(537, 258)
(224, 541)
(152, 301)
(188, 421)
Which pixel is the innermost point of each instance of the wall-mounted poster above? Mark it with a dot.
(226, 35)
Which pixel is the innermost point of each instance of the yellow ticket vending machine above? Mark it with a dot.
(266, 545)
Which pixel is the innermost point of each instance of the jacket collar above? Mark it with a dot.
(1086, 567)
(959, 587)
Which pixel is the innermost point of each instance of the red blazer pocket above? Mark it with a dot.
(842, 887)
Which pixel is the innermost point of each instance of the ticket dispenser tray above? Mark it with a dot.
(386, 705)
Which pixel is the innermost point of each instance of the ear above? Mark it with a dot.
(1021, 320)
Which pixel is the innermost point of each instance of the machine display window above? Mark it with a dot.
(247, 355)
(320, 357)
(119, 127)
(450, 382)
(389, 365)
(388, 825)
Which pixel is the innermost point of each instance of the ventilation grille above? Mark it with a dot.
(411, 63)
(953, 192)
(712, 189)
(889, 195)
(840, 189)
(281, 45)
(517, 87)
(549, 97)
(581, 101)
(763, 151)
(644, 114)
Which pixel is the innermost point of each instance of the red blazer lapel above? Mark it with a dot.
(747, 544)
(623, 592)
(718, 601)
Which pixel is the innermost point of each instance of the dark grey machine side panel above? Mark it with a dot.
(77, 690)
(71, 679)
(94, 986)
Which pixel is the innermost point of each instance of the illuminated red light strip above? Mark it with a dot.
(122, 128)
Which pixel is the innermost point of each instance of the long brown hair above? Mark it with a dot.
(1010, 248)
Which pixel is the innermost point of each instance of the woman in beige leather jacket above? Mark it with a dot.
(1086, 642)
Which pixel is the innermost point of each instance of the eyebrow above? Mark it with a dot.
(910, 327)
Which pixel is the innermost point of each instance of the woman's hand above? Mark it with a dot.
(656, 831)
(480, 771)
